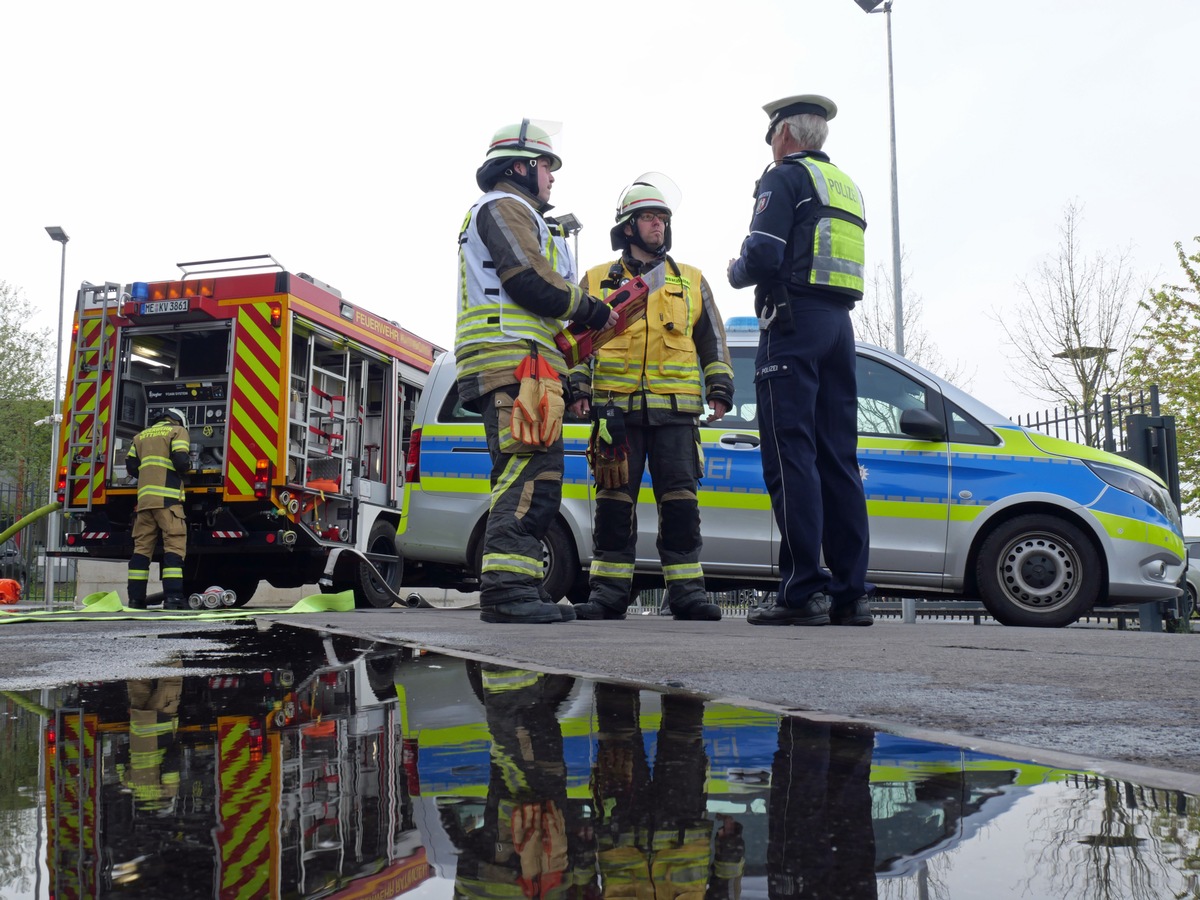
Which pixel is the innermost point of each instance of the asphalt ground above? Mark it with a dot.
(1119, 703)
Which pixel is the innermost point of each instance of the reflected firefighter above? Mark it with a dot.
(153, 773)
(522, 847)
(652, 830)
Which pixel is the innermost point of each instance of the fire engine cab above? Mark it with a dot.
(299, 409)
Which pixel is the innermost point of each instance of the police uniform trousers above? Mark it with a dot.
(171, 523)
(526, 493)
(807, 396)
(820, 835)
(674, 464)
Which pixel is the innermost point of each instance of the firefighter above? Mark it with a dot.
(154, 754)
(805, 256)
(522, 846)
(157, 460)
(653, 834)
(650, 385)
(515, 290)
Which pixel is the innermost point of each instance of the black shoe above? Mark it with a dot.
(177, 604)
(136, 604)
(565, 610)
(815, 611)
(697, 611)
(593, 610)
(856, 612)
(521, 612)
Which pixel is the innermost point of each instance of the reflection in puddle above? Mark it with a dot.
(323, 767)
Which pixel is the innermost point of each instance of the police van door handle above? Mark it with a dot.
(734, 438)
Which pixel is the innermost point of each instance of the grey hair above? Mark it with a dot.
(807, 130)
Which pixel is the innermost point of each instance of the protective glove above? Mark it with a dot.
(526, 423)
(527, 841)
(537, 413)
(551, 409)
(608, 449)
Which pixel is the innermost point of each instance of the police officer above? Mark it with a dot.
(158, 459)
(516, 287)
(651, 379)
(805, 257)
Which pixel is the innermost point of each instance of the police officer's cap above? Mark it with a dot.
(800, 104)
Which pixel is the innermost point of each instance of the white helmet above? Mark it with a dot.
(175, 413)
(528, 139)
(650, 192)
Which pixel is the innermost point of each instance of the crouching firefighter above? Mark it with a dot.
(157, 460)
(648, 388)
(516, 287)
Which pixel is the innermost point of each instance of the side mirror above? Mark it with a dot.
(922, 424)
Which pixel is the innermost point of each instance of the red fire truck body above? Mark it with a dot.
(299, 407)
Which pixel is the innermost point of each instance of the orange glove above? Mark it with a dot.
(551, 409)
(526, 421)
(538, 409)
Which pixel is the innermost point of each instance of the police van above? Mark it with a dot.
(962, 502)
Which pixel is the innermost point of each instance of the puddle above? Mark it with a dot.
(312, 766)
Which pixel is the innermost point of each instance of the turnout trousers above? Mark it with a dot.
(148, 524)
(674, 463)
(807, 396)
(526, 492)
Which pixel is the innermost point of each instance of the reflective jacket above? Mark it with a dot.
(157, 458)
(807, 231)
(494, 330)
(674, 358)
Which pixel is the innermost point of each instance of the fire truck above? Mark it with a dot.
(299, 407)
(267, 781)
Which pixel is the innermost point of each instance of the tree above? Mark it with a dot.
(1165, 354)
(25, 391)
(875, 317)
(1074, 330)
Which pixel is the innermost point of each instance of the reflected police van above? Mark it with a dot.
(962, 502)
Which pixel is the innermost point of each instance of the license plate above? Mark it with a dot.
(158, 307)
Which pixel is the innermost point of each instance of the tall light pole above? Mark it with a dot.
(56, 234)
(871, 6)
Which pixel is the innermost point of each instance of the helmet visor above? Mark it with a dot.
(649, 191)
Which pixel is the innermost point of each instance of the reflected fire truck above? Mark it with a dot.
(275, 782)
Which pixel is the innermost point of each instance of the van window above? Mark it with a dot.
(966, 429)
(883, 395)
(745, 407)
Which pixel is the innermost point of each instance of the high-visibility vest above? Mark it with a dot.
(658, 348)
(837, 240)
(488, 318)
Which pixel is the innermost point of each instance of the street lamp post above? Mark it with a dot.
(56, 234)
(870, 6)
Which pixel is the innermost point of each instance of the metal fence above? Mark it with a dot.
(1101, 426)
(24, 556)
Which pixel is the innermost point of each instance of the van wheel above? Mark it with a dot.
(369, 590)
(560, 563)
(1038, 571)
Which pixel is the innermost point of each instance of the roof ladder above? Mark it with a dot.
(87, 415)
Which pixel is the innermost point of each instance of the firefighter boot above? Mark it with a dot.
(521, 612)
(176, 603)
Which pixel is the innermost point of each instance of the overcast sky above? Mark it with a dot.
(343, 139)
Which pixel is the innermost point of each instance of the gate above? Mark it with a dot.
(23, 555)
